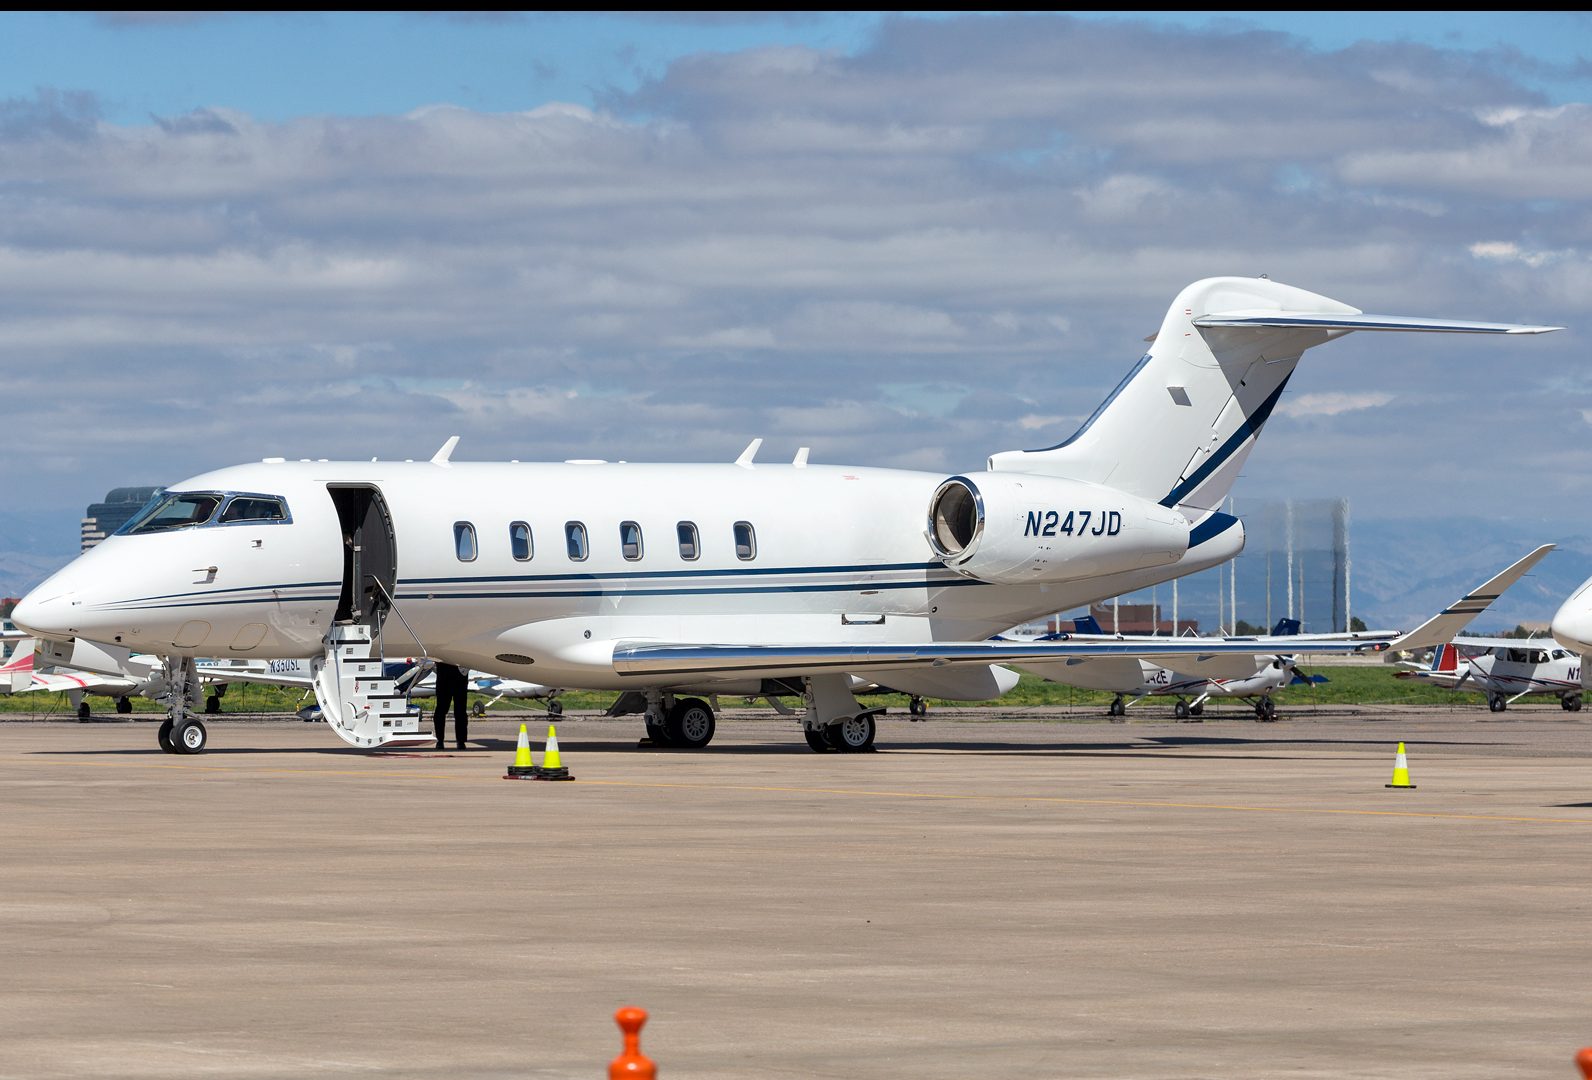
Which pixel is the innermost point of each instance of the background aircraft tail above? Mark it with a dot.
(16, 674)
(1445, 659)
(1178, 429)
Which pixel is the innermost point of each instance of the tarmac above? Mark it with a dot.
(996, 894)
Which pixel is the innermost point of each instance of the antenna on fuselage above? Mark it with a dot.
(441, 456)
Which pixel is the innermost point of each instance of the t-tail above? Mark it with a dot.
(1177, 430)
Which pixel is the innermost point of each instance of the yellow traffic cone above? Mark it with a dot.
(522, 769)
(1401, 772)
(552, 765)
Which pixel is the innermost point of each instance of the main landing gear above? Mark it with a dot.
(834, 721)
(684, 723)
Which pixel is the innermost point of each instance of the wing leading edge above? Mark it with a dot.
(654, 659)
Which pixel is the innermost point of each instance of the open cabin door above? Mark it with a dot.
(370, 554)
(356, 697)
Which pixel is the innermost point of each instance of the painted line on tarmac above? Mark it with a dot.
(1052, 800)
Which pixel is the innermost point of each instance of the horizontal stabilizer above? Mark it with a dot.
(1311, 320)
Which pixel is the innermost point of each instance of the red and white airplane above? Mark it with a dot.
(1506, 670)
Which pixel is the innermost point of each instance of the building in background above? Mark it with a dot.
(103, 518)
(1295, 564)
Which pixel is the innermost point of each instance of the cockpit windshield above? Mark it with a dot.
(187, 509)
(173, 510)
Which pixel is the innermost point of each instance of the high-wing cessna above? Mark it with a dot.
(1253, 677)
(1506, 670)
(678, 580)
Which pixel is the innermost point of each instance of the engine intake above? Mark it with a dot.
(1015, 528)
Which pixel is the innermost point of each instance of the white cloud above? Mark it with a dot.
(1331, 403)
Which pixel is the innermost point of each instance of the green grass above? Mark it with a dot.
(1372, 684)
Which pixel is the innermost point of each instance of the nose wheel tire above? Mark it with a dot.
(212, 705)
(852, 735)
(1116, 708)
(1497, 704)
(690, 724)
(190, 737)
(478, 709)
(1571, 702)
(555, 708)
(123, 706)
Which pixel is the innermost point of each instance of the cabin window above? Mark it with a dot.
(575, 541)
(630, 540)
(690, 547)
(464, 541)
(520, 541)
(745, 541)
(254, 508)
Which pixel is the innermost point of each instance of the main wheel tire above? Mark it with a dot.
(478, 709)
(83, 711)
(190, 737)
(917, 708)
(852, 735)
(164, 736)
(1571, 702)
(658, 732)
(690, 723)
(213, 705)
(124, 705)
(1116, 708)
(1497, 704)
(1180, 710)
(1197, 710)
(555, 708)
(817, 741)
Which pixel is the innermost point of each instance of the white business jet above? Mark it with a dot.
(1572, 624)
(676, 581)
(1251, 677)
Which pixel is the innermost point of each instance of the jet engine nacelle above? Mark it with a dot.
(1020, 528)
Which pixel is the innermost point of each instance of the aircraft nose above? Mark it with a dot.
(1572, 626)
(45, 612)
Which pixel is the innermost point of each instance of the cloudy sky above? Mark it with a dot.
(898, 240)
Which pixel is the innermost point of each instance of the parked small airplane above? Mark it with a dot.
(1505, 669)
(685, 580)
(1253, 678)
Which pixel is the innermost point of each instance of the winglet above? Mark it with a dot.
(443, 456)
(747, 455)
(1441, 628)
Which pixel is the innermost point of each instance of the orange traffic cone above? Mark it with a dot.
(1401, 772)
(552, 767)
(1583, 1061)
(632, 1063)
(522, 769)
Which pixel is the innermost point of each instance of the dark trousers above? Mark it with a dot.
(452, 689)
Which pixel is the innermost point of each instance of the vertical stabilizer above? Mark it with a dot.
(1179, 427)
